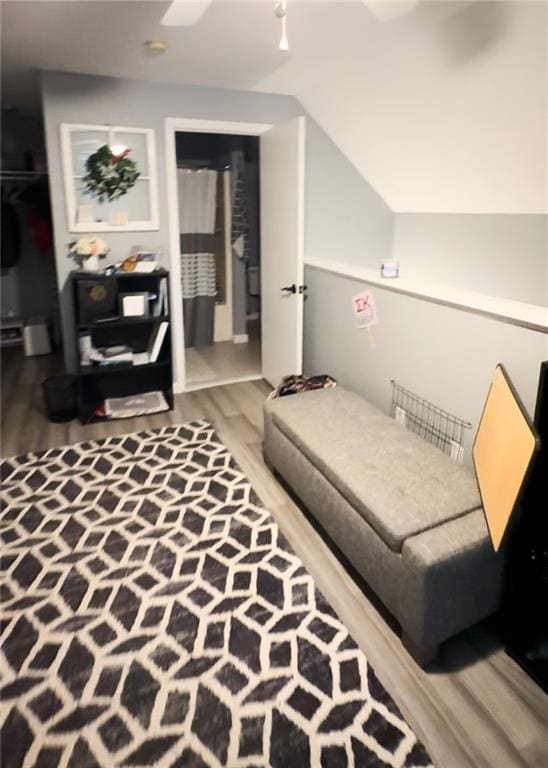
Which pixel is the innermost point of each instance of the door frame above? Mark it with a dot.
(172, 125)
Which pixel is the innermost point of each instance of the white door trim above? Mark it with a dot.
(171, 126)
(301, 213)
(282, 248)
(223, 320)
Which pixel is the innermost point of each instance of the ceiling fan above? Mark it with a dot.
(186, 13)
(470, 27)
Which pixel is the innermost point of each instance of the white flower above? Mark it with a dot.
(90, 246)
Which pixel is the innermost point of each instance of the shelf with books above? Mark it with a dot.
(121, 357)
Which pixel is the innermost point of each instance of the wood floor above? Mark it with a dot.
(474, 709)
(223, 361)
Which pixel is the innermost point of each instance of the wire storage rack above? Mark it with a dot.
(435, 425)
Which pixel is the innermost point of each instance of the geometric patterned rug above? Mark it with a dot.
(153, 614)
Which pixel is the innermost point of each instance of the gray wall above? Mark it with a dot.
(346, 219)
(338, 199)
(443, 354)
(73, 98)
(497, 254)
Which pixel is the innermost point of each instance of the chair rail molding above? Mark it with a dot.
(531, 316)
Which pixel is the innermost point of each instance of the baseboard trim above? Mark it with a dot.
(223, 382)
(240, 338)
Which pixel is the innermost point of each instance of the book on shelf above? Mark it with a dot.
(164, 292)
(154, 346)
(160, 306)
(104, 356)
(135, 405)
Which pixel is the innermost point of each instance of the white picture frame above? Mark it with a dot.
(80, 216)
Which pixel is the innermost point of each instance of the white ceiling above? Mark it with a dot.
(234, 45)
(441, 109)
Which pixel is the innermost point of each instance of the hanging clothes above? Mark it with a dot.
(197, 201)
(11, 237)
(36, 196)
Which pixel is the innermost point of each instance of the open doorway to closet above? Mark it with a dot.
(218, 216)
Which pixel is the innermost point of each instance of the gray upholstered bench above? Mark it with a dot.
(405, 515)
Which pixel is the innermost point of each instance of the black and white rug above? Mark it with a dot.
(153, 614)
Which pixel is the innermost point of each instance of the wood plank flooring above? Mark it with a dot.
(223, 361)
(474, 709)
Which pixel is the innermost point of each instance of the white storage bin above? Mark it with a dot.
(36, 339)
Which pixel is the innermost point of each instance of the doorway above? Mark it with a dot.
(274, 294)
(29, 298)
(218, 220)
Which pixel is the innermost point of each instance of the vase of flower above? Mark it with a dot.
(88, 250)
(91, 264)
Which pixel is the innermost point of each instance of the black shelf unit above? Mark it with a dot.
(525, 599)
(99, 317)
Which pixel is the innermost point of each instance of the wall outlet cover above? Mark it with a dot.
(400, 415)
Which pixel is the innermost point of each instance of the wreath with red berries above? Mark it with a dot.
(109, 176)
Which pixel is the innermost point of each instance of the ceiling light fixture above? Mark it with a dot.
(156, 46)
(280, 10)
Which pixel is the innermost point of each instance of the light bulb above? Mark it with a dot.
(284, 42)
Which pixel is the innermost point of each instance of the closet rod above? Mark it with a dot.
(21, 175)
(202, 167)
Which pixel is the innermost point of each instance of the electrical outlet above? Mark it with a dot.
(457, 451)
(400, 415)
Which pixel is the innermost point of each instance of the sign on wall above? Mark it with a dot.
(365, 310)
(365, 313)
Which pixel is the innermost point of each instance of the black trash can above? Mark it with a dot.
(60, 397)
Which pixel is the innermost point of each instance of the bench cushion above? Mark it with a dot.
(397, 482)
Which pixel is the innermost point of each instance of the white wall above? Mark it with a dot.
(442, 110)
(444, 113)
(500, 255)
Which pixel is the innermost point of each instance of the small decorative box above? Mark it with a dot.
(390, 269)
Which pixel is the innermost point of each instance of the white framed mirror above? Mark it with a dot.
(133, 210)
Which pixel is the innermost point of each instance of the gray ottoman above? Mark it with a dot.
(407, 517)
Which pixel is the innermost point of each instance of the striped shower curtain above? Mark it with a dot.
(197, 204)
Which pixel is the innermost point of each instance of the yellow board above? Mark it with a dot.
(503, 449)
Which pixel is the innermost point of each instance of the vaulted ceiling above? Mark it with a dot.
(441, 109)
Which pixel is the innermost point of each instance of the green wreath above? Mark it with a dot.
(109, 176)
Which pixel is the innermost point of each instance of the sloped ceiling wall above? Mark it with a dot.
(441, 110)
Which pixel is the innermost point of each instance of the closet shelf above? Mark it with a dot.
(99, 370)
(531, 316)
(122, 321)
